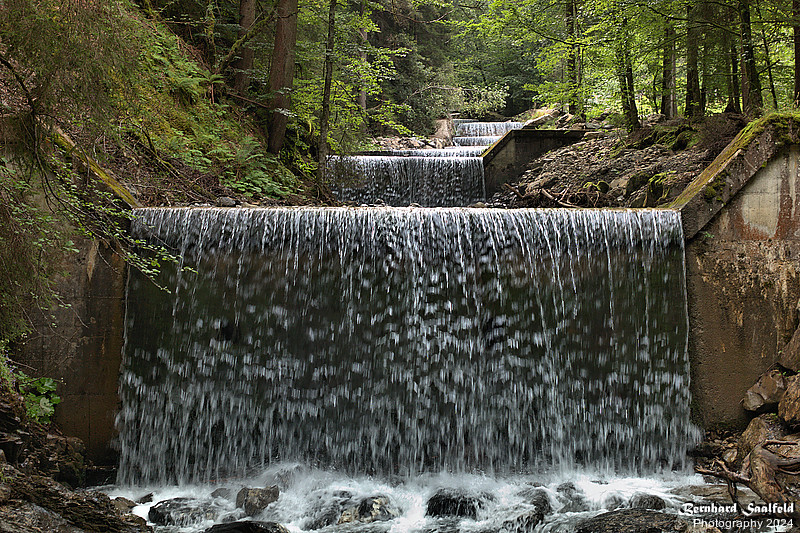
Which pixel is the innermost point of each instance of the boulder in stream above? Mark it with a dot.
(632, 521)
(183, 512)
(454, 502)
(641, 500)
(372, 509)
(253, 501)
(248, 527)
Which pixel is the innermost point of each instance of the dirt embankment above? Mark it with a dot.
(610, 168)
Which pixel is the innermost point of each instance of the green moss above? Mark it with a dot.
(712, 181)
(636, 181)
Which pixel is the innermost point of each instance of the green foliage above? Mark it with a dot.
(32, 241)
(254, 173)
(484, 99)
(75, 58)
(174, 110)
(39, 395)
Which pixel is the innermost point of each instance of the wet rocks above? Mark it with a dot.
(632, 521)
(123, 505)
(574, 499)
(248, 527)
(223, 492)
(647, 501)
(182, 512)
(539, 498)
(328, 510)
(789, 405)
(762, 428)
(226, 201)
(766, 393)
(454, 502)
(254, 500)
(523, 523)
(34, 499)
(371, 509)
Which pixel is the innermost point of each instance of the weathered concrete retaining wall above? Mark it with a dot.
(81, 346)
(506, 159)
(742, 223)
(79, 341)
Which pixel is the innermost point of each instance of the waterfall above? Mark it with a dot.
(403, 340)
(452, 151)
(475, 141)
(483, 129)
(399, 181)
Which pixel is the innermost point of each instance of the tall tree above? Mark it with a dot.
(693, 37)
(734, 104)
(573, 58)
(752, 101)
(669, 101)
(281, 74)
(247, 16)
(624, 69)
(322, 146)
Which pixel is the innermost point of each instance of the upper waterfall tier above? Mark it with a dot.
(400, 181)
(401, 340)
(484, 129)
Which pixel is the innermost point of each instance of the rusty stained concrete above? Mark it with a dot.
(81, 346)
(743, 289)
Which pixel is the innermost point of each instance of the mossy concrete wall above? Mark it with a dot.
(81, 346)
(79, 341)
(742, 224)
(506, 159)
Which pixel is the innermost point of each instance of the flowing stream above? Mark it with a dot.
(447, 177)
(342, 353)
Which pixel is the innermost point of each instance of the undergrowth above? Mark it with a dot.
(178, 111)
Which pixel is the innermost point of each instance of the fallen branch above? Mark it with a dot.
(556, 200)
(514, 190)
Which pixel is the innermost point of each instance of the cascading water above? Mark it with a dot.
(452, 151)
(396, 180)
(353, 353)
(483, 129)
(430, 178)
(475, 141)
(401, 341)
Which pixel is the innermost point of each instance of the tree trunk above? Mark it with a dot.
(281, 73)
(796, 37)
(210, 30)
(768, 59)
(362, 93)
(573, 59)
(752, 101)
(693, 95)
(247, 15)
(322, 146)
(732, 75)
(669, 102)
(624, 68)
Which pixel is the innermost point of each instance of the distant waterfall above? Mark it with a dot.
(484, 129)
(399, 181)
(401, 340)
(475, 141)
